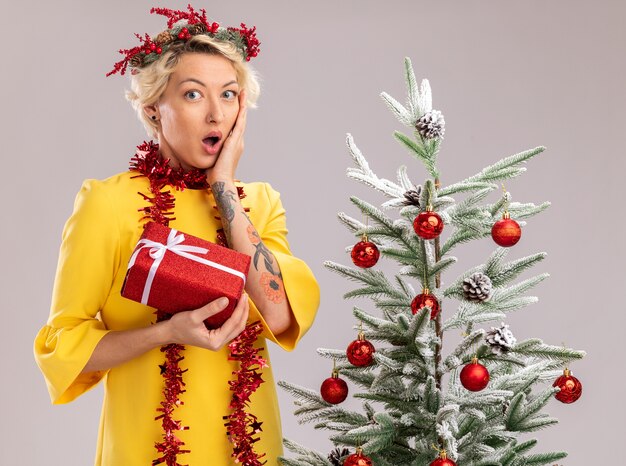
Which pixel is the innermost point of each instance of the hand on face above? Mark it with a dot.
(228, 158)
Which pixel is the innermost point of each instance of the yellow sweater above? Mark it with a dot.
(97, 242)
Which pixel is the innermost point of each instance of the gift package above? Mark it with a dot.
(173, 271)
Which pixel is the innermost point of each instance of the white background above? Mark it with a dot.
(507, 75)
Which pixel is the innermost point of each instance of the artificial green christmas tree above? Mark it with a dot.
(423, 405)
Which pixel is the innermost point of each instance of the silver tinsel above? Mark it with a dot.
(500, 339)
(477, 287)
(431, 125)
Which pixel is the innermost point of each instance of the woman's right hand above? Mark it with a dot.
(187, 327)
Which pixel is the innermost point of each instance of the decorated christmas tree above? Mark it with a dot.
(423, 403)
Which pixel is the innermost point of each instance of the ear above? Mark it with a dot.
(151, 110)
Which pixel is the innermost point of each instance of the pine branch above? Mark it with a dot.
(462, 186)
(375, 282)
(307, 457)
(506, 167)
(521, 415)
(535, 347)
(455, 358)
(401, 113)
(365, 175)
(544, 458)
(418, 151)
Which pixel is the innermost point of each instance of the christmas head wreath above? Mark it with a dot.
(181, 26)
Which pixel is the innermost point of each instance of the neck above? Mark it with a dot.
(150, 162)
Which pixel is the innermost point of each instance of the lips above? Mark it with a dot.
(212, 142)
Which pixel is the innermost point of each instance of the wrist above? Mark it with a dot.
(226, 180)
(163, 334)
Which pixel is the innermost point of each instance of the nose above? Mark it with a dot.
(215, 113)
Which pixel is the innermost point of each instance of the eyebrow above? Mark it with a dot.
(202, 84)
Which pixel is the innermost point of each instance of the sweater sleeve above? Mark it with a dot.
(300, 285)
(88, 259)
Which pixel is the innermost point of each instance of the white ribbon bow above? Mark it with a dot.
(174, 244)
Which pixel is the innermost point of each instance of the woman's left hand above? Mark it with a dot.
(228, 158)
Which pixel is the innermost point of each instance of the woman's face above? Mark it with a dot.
(198, 110)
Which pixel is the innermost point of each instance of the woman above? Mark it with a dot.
(191, 87)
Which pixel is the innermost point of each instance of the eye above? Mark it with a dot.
(192, 92)
(230, 94)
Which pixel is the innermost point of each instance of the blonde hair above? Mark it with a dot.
(149, 82)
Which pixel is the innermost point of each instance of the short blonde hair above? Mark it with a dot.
(149, 82)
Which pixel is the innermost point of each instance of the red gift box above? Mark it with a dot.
(174, 271)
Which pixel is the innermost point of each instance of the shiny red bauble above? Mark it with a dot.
(360, 352)
(365, 254)
(358, 459)
(334, 390)
(506, 232)
(570, 386)
(428, 225)
(474, 376)
(443, 462)
(425, 299)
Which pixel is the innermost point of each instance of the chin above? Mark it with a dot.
(204, 164)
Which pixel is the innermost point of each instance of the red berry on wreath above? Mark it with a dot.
(506, 232)
(428, 225)
(334, 390)
(360, 352)
(425, 299)
(358, 459)
(570, 386)
(443, 460)
(365, 254)
(474, 376)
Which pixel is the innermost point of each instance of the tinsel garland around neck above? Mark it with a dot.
(241, 426)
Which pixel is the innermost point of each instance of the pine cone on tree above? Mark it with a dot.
(505, 406)
(431, 125)
(500, 339)
(335, 456)
(412, 197)
(477, 287)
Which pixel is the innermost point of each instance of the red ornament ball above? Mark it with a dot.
(474, 376)
(425, 299)
(506, 232)
(360, 352)
(334, 390)
(428, 225)
(570, 386)
(365, 254)
(358, 459)
(443, 462)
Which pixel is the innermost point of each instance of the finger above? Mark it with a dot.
(231, 323)
(237, 130)
(240, 123)
(210, 309)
